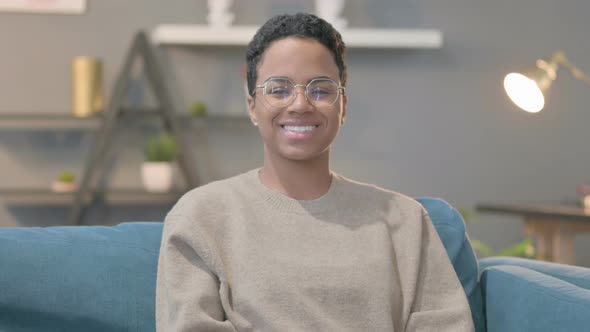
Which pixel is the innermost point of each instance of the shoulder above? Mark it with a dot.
(207, 203)
(203, 214)
(379, 197)
(212, 195)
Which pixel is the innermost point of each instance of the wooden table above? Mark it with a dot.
(553, 226)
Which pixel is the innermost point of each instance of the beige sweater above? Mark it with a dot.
(237, 256)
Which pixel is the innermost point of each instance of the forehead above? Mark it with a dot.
(299, 59)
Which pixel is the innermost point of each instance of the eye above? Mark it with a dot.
(278, 91)
(319, 91)
(279, 88)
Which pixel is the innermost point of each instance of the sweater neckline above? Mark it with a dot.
(284, 203)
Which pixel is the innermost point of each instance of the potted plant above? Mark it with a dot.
(65, 182)
(524, 249)
(161, 151)
(198, 109)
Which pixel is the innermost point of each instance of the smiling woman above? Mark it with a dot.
(293, 245)
(294, 122)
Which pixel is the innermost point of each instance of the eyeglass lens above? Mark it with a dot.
(319, 92)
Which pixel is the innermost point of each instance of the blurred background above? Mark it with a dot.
(424, 122)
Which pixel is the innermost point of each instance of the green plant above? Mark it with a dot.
(198, 109)
(161, 148)
(66, 177)
(523, 249)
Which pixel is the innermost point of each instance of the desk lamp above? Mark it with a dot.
(529, 88)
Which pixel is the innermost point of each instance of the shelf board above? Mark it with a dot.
(46, 120)
(46, 197)
(67, 121)
(140, 197)
(191, 34)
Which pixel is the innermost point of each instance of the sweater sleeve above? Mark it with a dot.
(187, 291)
(440, 303)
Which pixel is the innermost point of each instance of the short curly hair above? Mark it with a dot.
(301, 25)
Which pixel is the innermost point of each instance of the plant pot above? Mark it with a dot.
(157, 176)
(63, 187)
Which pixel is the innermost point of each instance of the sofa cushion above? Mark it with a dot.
(86, 278)
(521, 299)
(451, 229)
(576, 275)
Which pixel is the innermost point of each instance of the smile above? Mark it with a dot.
(299, 129)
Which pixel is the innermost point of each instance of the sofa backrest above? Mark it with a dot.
(85, 278)
(102, 278)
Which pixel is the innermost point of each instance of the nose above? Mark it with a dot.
(300, 102)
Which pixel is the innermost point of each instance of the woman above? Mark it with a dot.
(293, 246)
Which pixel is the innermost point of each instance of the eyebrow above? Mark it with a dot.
(287, 78)
(278, 77)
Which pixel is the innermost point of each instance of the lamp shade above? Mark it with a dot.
(528, 90)
(524, 92)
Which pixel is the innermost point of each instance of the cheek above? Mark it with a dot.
(266, 122)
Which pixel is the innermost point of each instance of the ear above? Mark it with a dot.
(251, 102)
(344, 108)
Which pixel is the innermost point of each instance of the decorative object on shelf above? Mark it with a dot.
(583, 191)
(198, 109)
(330, 10)
(219, 15)
(157, 172)
(168, 110)
(65, 182)
(87, 96)
(44, 7)
(528, 89)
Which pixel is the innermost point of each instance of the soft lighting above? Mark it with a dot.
(524, 92)
(529, 89)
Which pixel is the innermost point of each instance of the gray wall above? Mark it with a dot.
(431, 122)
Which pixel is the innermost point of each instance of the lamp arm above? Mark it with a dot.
(560, 58)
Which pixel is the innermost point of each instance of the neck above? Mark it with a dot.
(305, 180)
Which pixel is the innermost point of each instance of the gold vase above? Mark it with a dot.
(87, 92)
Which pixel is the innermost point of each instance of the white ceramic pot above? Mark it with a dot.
(331, 10)
(157, 176)
(63, 187)
(219, 15)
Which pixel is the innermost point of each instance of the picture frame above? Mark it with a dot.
(44, 6)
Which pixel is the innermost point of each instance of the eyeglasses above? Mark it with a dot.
(281, 92)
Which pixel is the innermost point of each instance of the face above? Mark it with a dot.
(299, 131)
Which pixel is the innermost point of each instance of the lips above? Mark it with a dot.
(299, 129)
(298, 124)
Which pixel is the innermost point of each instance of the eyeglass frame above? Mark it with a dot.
(295, 93)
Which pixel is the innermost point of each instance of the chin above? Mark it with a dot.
(299, 153)
(303, 155)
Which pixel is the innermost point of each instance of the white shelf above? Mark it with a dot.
(47, 197)
(65, 120)
(190, 34)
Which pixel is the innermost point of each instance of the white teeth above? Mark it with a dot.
(299, 129)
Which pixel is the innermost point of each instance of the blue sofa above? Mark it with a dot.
(99, 278)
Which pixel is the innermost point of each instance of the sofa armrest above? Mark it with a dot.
(576, 275)
(520, 299)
